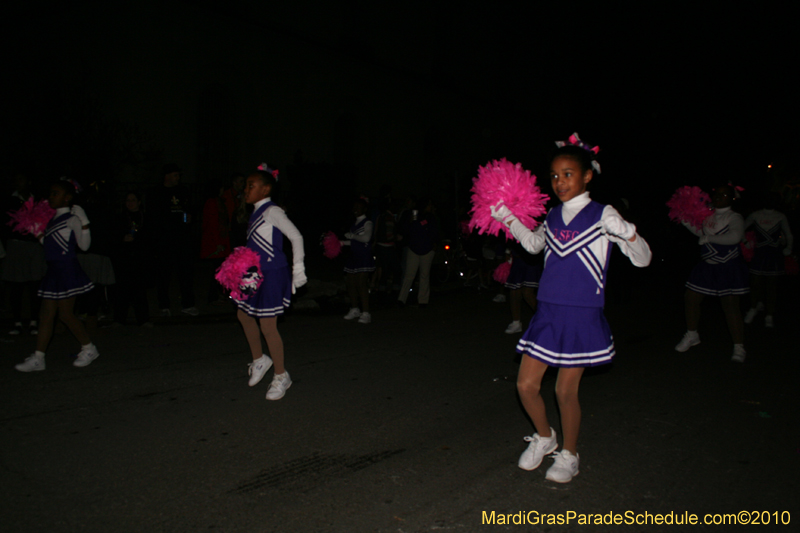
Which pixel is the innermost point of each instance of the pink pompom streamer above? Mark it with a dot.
(31, 218)
(690, 204)
(501, 273)
(515, 187)
(331, 247)
(231, 274)
(748, 248)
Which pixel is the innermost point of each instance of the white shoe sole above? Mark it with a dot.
(85, 362)
(680, 348)
(281, 396)
(562, 480)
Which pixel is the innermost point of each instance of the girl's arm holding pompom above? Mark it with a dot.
(364, 236)
(734, 235)
(622, 232)
(277, 217)
(532, 241)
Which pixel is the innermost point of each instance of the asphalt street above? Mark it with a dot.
(408, 424)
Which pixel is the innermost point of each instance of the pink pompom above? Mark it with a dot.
(331, 247)
(240, 273)
(515, 187)
(31, 218)
(790, 265)
(690, 204)
(501, 273)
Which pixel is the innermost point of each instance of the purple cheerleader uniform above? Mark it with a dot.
(524, 272)
(569, 328)
(361, 258)
(64, 277)
(722, 272)
(266, 239)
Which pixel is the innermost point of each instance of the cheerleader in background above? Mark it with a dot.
(721, 273)
(64, 279)
(773, 243)
(360, 264)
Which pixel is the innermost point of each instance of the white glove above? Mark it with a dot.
(702, 240)
(616, 226)
(348, 235)
(787, 251)
(502, 214)
(81, 214)
(298, 277)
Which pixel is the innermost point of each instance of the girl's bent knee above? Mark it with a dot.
(526, 387)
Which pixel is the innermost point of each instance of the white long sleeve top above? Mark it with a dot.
(637, 251)
(767, 219)
(275, 216)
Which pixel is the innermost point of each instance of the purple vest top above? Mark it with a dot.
(573, 274)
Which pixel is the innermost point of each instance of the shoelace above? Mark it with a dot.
(561, 460)
(251, 366)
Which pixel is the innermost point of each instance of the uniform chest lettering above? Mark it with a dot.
(565, 235)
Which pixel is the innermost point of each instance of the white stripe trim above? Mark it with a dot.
(50, 295)
(591, 270)
(712, 292)
(560, 359)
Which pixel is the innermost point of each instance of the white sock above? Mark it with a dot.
(87, 346)
(37, 353)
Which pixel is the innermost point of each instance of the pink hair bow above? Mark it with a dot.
(72, 182)
(736, 190)
(574, 140)
(264, 168)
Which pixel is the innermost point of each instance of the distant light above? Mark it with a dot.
(769, 166)
(446, 246)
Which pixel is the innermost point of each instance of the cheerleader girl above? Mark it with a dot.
(721, 272)
(64, 279)
(360, 264)
(259, 313)
(773, 242)
(568, 330)
(522, 282)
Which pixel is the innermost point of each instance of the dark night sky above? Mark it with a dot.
(672, 94)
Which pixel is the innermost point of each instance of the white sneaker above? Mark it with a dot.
(565, 468)
(17, 329)
(280, 382)
(166, 312)
(739, 353)
(258, 368)
(32, 363)
(499, 299)
(691, 338)
(191, 311)
(354, 312)
(768, 322)
(514, 327)
(539, 446)
(86, 356)
(365, 318)
(33, 328)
